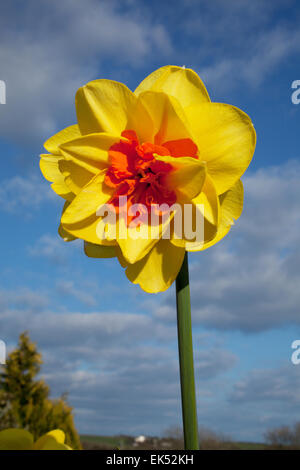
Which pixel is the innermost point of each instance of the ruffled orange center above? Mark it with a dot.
(134, 171)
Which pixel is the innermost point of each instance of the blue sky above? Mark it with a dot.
(107, 343)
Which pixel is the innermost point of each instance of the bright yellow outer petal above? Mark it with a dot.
(231, 206)
(87, 230)
(49, 165)
(186, 178)
(49, 168)
(108, 106)
(66, 236)
(209, 198)
(91, 149)
(170, 122)
(63, 191)
(207, 203)
(99, 251)
(133, 249)
(69, 133)
(15, 439)
(232, 203)
(86, 203)
(157, 271)
(76, 177)
(226, 140)
(181, 83)
(85, 157)
(204, 233)
(50, 440)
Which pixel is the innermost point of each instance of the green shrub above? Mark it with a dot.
(24, 400)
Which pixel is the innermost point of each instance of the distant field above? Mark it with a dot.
(127, 442)
(251, 445)
(111, 442)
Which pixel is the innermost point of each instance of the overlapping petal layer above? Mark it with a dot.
(181, 83)
(156, 271)
(226, 140)
(108, 106)
(231, 206)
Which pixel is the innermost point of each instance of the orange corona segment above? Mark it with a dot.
(134, 171)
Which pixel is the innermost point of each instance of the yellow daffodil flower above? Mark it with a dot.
(165, 143)
(20, 439)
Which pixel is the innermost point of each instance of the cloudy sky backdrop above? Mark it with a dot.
(107, 343)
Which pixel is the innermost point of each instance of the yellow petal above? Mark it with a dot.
(91, 149)
(231, 206)
(195, 230)
(181, 83)
(99, 251)
(86, 203)
(76, 177)
(209, 199)
(49, 165)
(87, 230)
(232, 203)
(53, 440)
(157, 271)
(50, 440)
(123, 262)
(206, 208)
(66, 236)
(15, 439)
(186, 178)
(135, 248)
(109, 106)
(49, 168)
(226, 140)
(69, 133)
(169, 120)
(52, 444)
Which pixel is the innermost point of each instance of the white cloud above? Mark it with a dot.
(270, 395)
(53, 248)
(44, 62)
(84, 293)
(252, 67)
(239, 43)
(269, 386)
(22, 194)
(23, 298)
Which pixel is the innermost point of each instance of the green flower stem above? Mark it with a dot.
(186, 361)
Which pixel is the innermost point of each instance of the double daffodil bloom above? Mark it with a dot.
(164, 143)
(20, 439)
